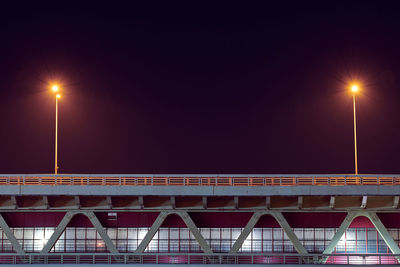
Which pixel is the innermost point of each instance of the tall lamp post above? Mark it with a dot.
(354, 90)
(55, 89)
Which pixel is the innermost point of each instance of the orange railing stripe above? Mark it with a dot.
(197, 180)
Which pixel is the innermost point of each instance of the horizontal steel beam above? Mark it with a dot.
(194, 210)
(195, 259)
(155, 202)
(98, 190)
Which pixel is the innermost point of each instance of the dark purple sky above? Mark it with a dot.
(193, 87)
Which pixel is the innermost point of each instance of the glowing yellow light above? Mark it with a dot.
(58, 95)
(354, 88)
(55, 88)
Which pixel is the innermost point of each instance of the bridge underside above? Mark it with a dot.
(328, 198)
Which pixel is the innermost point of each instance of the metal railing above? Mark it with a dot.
(196, 258)
(198, 180)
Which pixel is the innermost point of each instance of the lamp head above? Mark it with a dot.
(55, 88)
(58, 96)
(354, 88)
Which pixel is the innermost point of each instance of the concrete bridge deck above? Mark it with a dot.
(199, 192)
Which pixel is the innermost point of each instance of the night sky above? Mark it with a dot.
(195, 87)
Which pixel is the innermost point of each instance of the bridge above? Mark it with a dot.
(199, 219)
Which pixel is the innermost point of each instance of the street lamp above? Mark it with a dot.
(354, 89)
(55, 88)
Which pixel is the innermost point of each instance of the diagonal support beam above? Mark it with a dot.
(58, 232)
(338, 235)
(384, 233)
(11, 237)
(282, 222)
(246, 231)
(289, 232)
(195, 231)
(186, 219)
(152, 231)
(102, 232)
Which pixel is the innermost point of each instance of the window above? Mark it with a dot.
(181, 240)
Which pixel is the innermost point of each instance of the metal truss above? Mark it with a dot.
(186, 219)
(246, 231)
(282, 222)
(372, 216)
(10, 235)
(58, 232)
(63, 224)
(394, 248)
(102, 232)
(152, 231)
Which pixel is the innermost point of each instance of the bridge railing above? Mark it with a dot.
(199, 258)
(199, 180)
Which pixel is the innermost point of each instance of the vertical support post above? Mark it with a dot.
(77, 202)
(236, 201)
(364, 202)
(141, 202)
(204, 200)
(56, 141)
(14, 202)
(332, 202)
(299, 202)
(46, 202)
(109, 202)
(355, 135)
(395, 202)
(173, 202)
(10, 235)
(268, 202)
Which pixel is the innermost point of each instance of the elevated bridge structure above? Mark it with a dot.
(199, 219)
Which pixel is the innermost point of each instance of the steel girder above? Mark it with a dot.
(200, 239)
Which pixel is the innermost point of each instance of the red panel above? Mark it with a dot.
(221, 219)
(174, 221)
(361, 222)
(267, 221)
(80, 220)
(201, 219)
(390, 220)
(127, 219)
(314, 219)
(33, 219)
